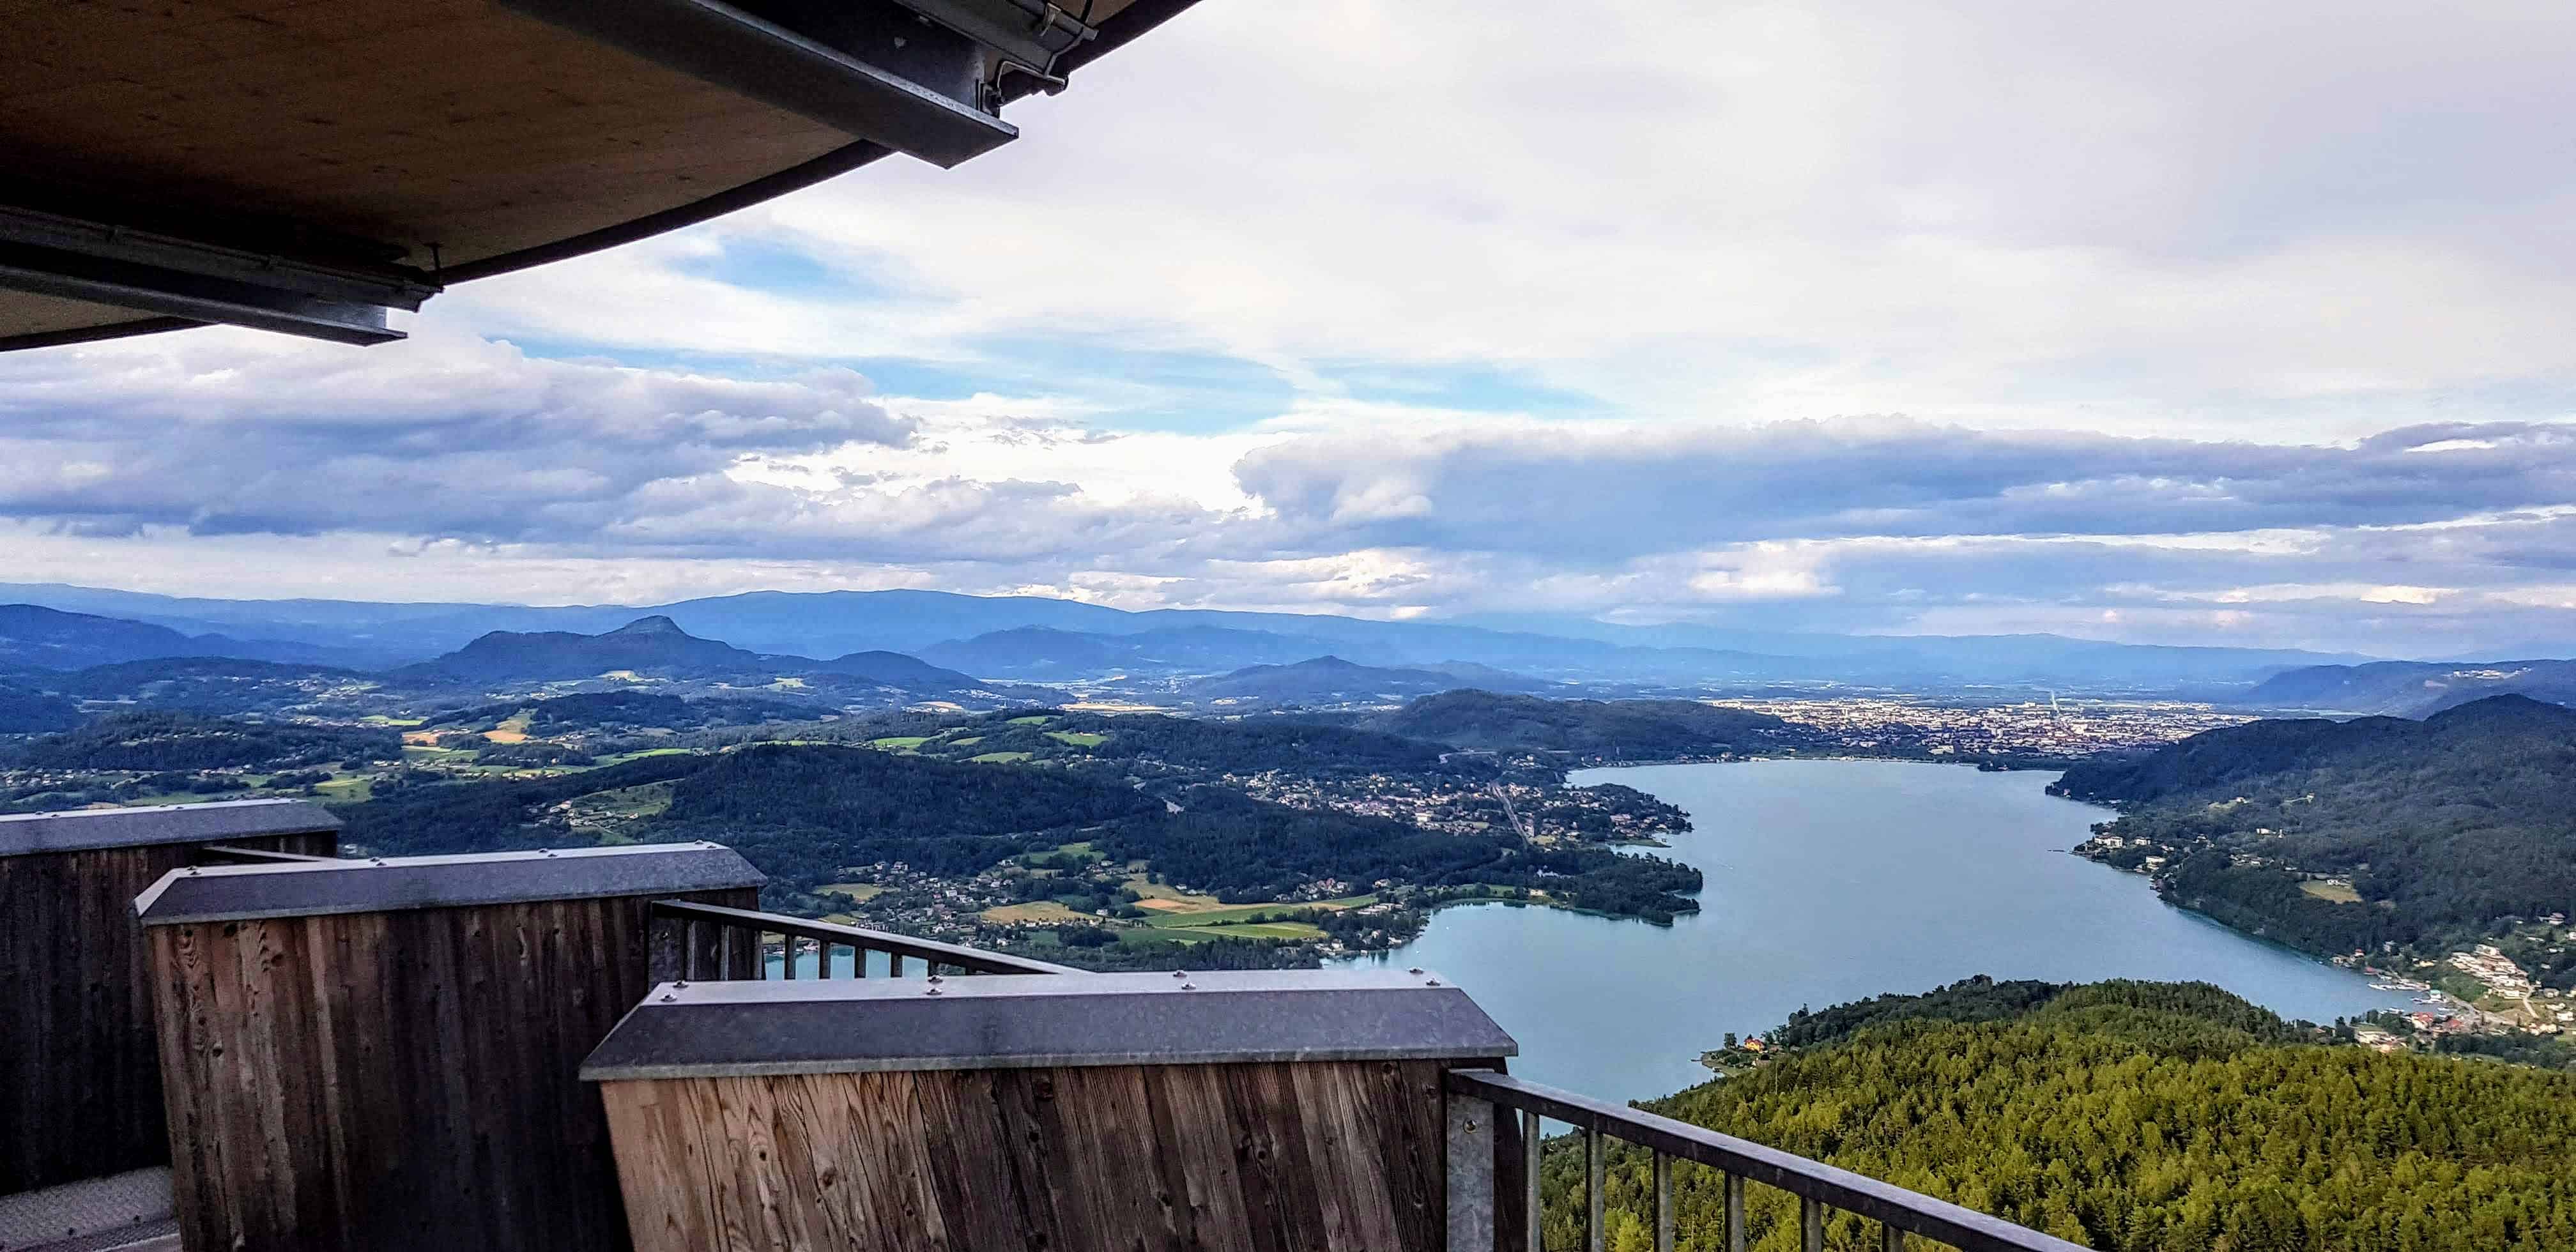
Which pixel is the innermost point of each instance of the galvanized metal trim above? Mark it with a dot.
(762, 60)
(76, 830)
(1034, 1021)
(1031, 32)
(385, 884)
(1939, 1220)
(925, 950)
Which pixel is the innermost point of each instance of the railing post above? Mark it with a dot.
(1663, 1203)
(1735, 1213)
(1596, 1154)
(1472, 1199)
(1530, 1206)
(1811, 1224)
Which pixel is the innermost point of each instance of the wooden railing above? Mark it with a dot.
(1477, 1098)
(707, 943)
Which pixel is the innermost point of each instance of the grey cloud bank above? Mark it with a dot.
(2207, 322)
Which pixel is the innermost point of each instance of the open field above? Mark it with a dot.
(1235, 915)
(1077, 738)
(899, 743)
(1040, 719)
(513, 729)
(349, 789)
(859, 891)
(1148, 889)
(620, 758)
(643, 800)
(998, 758)
(1259, 930)
(1033, 911)
(2334, 891)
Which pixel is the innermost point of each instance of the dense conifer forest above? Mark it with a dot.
(186, 741)
(2444, 827)
(2142, 1117)
(1602, 729)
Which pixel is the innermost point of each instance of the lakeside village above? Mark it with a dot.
(2475, 990)
(2050, 728)
(1077, 894)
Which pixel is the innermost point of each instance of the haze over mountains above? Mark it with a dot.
(1035, 638)
(2414, 688)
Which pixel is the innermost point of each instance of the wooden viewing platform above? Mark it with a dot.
(588, 1051)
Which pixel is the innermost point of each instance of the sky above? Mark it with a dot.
(2189, 323)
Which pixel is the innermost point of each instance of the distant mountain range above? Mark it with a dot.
(1029, 637)
(656, 647)
(35, 637)
(2413, 688)
(1332, 680)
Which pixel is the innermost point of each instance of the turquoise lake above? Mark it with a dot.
(1836, 880)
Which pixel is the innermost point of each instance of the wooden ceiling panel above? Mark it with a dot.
(392, 120)
(260, 128)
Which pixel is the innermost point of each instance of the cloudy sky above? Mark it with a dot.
(2195, 322)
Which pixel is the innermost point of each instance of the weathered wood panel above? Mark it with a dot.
(1229, 1156)
(396, 1080)
(80, 1080)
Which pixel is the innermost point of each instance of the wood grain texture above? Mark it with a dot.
(1246, 1156)
(80, 1086)
(412, 122)
(398, 1080)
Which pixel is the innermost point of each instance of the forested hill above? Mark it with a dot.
(1608, 729)
(2442, 828)
(2143, 1117)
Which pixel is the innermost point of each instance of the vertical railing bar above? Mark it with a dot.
(1595, 1165)
(1890, 1239)
(822, 958)
(1663, 1202)
(1735, 1213)
(894, 965)
(1529, 1176)
(1811, 1224)
(787, 953)
(689, 962)
(858, 961)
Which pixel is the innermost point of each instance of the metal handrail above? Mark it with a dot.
(683, 952)
(1817, 1185)
(255, 856)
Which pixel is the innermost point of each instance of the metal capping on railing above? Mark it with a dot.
(709, 942)
(221, 853)
(1818, 1186)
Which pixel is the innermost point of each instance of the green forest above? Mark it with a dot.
(2143, 1117)
(1596, 729)
(2446, 827)
(186, 741)
(804, 812)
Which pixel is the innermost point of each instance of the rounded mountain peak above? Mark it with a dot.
(654, 625)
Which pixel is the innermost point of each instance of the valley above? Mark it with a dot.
(1127, 801)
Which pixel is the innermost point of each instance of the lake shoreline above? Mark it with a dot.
(1827, 880)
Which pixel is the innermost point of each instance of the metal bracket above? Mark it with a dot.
(151, 272)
